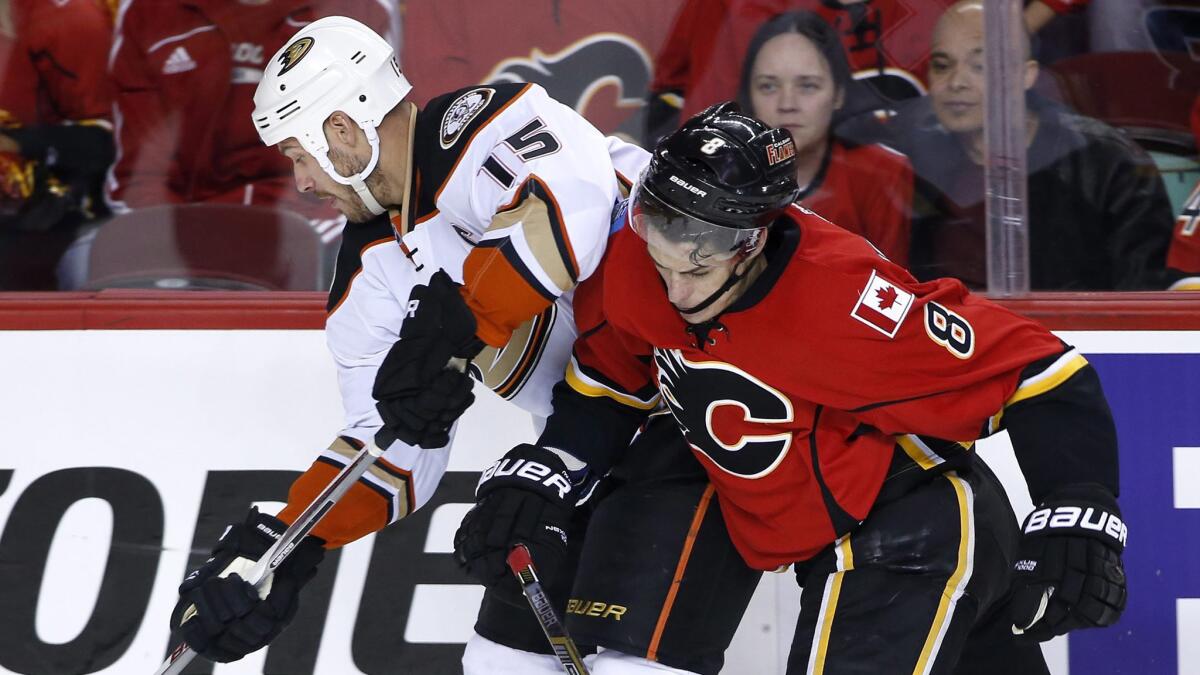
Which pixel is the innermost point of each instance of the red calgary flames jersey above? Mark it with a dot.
(799, 392)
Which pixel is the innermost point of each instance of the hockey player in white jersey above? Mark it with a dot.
(493, 203)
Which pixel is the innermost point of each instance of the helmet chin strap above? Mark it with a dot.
(358, 180)
(715, 295)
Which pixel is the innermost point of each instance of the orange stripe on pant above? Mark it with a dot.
(684, 556)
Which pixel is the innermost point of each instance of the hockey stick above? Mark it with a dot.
(520, 562)
(182, 655)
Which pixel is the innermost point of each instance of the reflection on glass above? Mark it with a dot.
(149, 107)
(796, 76)
(1098, 214)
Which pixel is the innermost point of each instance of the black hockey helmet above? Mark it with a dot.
(718, 181)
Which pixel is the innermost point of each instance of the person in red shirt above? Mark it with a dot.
(185, 75)
(834, 400)
(796, 77)
(887, 42)
(55, 132)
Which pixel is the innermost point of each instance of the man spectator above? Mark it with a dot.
(55, 134)
(1099, 217)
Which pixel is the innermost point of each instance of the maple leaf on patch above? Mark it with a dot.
(887, 297)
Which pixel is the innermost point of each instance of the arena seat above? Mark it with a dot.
(207, 246)
(1127, 89)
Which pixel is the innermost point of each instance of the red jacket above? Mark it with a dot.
(55, 103)
(53, 69)
(185, 74)
(868, 190)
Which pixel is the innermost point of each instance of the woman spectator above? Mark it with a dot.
(796, 76)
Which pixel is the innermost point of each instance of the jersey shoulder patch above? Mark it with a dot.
(444, 132)
(461, 112)
(456, 116)
(883, 305)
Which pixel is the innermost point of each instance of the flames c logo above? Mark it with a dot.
(293, 53)
(731, 417)
(576, 74)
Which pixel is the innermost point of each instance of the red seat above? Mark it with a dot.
(207, 246)
(1129, 89)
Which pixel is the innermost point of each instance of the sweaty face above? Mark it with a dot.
(791, 86)
(310, 177)
(688, 283)
(956, 63)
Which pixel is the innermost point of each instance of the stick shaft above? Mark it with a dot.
(520, 562)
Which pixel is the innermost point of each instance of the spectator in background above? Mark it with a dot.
(185, 73)
(887, 42)
(1183, 257)
(1099, 217)
(55, 133)
(796, 77)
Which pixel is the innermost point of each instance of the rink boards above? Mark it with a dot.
(123, 450)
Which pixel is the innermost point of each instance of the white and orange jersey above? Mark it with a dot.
(518, 233)
(528, 186)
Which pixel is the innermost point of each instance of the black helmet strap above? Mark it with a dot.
(712, 297)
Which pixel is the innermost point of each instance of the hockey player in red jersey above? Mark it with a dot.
(834, 402)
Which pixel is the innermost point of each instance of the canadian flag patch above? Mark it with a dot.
(882, 305)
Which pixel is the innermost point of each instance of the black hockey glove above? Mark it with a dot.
(528, 497)
(221, 615)
(425, 418)
(1069, 573)
(417, 396)
(438, 327)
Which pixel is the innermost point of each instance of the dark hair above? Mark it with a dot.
(806, 24)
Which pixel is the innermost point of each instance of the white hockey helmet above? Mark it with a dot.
(332, 64)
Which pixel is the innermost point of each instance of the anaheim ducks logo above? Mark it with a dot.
(462, 111)
(293, 53)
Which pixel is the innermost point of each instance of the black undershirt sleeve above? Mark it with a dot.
(1065, 436)
(597, 430)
